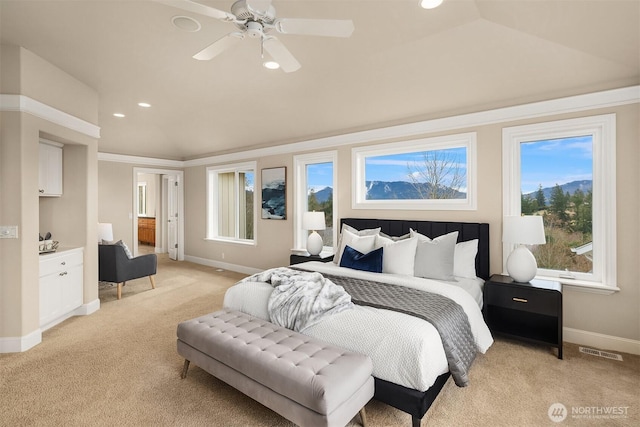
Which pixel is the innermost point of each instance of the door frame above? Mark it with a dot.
(179, 176)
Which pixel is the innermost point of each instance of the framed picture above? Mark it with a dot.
(274, 193)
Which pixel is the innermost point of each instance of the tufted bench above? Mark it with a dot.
(303, 379)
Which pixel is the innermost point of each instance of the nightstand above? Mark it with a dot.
(304, 257)
(529, 311)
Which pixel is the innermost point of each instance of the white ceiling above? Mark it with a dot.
(402, 64)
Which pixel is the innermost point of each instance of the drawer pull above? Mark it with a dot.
(64, 273)
(519, 299)
(63, 263)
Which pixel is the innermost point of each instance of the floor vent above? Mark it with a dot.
(600, 353)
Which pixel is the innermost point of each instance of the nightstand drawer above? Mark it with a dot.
(524, 299)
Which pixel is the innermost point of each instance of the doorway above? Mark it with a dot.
(158, 212)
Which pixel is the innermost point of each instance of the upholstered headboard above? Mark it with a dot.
(466, 231)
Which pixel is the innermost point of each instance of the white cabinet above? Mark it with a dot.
(61, 283)
(50, 169)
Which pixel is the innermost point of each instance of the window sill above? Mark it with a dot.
(239, 242)
(582, 285)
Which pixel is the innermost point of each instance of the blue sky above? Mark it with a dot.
(396, 167)
(556, 161)
(543, 163)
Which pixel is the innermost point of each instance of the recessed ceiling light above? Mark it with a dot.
(144, 104)
(272, 65)
(430, 4)
(186, 23)
(118, 115)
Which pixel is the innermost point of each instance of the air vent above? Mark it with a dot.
(601, 353)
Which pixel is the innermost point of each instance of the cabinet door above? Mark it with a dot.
(50, 298)
(72, 289)
(50, 170)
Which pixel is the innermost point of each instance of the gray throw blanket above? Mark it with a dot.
(444, 314)
(301, 299)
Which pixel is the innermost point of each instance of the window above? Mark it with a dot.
(142, 199)
(231, 203)
(431, 173)
(315, 184)
(565, 171)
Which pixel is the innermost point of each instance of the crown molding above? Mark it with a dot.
(571, 104)
(24, 104)
(138, 160)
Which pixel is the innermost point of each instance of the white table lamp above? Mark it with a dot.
(105, 232)
(314, 221)
(522, 230)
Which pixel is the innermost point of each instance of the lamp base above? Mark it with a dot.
(522, 265)
(314, 243)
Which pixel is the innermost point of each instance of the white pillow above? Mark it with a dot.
(345, 227)
(464, 259)
(363, 244)
(435, 257)
(397, 257)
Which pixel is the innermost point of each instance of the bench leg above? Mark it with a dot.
(153, 282)
(363, 417)
(185, 368)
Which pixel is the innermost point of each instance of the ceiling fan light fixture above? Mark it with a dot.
(430, 4)
(271, 65)
(186, 23)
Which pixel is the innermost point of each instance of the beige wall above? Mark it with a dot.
(73, 217)
(616, 315)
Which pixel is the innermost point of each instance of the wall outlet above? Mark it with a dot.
(8, 231)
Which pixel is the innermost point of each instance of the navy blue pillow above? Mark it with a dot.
(356, 260)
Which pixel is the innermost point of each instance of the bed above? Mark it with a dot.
(410, 369)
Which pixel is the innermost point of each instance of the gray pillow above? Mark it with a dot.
(125, 247)
(434, 258)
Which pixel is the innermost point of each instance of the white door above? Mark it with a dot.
(172, 217)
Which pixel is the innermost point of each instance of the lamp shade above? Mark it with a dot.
(525, 230)
(313, 221)
(105, 232)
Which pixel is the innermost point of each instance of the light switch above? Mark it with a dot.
(8, 231)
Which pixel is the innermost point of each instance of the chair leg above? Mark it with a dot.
(120, 290)
(153, 281)
(185, 368)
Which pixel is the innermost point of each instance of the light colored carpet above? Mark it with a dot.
(119, 366)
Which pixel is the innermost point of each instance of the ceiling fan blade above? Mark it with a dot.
(200, 9)
(281, 55)
(259, 6)
(316, 27)
(219, 46)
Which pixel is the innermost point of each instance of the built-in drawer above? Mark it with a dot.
(525, 299)
(53, 263)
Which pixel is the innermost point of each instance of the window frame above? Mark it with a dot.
(602, 129)
(212, 210)
(300, 162)
(461, 140)
(142, 204)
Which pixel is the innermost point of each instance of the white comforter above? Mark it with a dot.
(405, 350)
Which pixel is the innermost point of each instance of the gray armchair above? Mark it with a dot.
(116, 267)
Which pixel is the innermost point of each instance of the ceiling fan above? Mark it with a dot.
(257, 19)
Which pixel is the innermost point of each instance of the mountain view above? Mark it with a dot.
(402, 190)
(569, 187)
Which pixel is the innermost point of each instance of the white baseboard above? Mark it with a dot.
(20, 344)
(601, 341)
(222, 265)
(88, 308)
